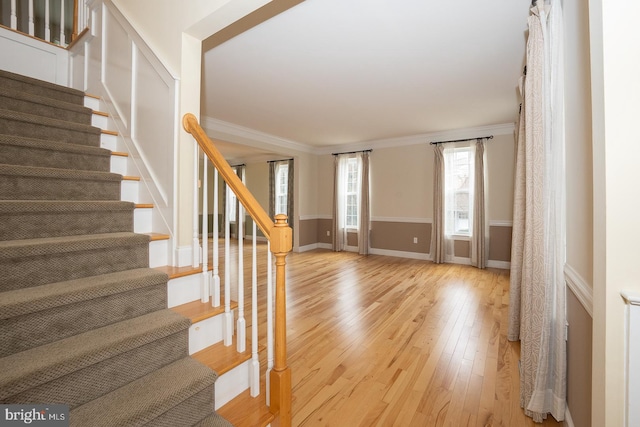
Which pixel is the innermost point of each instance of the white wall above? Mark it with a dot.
(615, 59)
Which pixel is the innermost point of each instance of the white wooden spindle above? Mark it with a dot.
(47, 21)
(204, 294)
(14, 15)
(241, 327)
(63, 39)
(215, 280)
(32, 25)
(228, 318)
(195, 244)
(255, 361)
(269, 320)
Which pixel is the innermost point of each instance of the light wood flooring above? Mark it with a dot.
(383, 341)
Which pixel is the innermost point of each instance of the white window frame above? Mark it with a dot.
(452, 213)
(282, 188)
(352, 191)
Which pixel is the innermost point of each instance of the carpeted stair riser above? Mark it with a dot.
(41, 88)
(189, 412)
(52, 218)
(147, 400)
(44, 107)
(32, 183)
(66, 313)
(52, 154)
(27, 263)
(31, 126)
(214, 420)
(85, 385)
(128, 345)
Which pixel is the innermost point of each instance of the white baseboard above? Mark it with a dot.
(399, 254)
(505, 265)
(313, 246)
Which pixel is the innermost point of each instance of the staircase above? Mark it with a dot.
(83, 319)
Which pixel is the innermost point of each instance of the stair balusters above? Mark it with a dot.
(279, 244)
(215, 281)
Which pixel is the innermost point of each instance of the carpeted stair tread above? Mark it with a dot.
(31, 300)
(31, 219)
(32, 126)
(34, 262)
(38, 183)
(20, 101)
(62, 206)
(49, 245)
(39, 365)
(16, 150)
(148, 398)
(57, 173)
(40, 87)
(214, 420)
(34, 316)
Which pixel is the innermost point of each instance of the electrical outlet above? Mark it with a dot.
(328, 233)
(415, 240)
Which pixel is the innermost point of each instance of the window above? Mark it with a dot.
(282, 178)
(352, 193)
(458, 190)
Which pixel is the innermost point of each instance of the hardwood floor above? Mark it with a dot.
(382, 341)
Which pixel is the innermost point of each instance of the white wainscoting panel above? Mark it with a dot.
(632, 369)
(31, 57)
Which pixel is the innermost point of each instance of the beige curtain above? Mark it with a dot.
(437, 227)
(290, 192)
(337, 231)
(364, 226)
(272, 189)
(479, 237)
(537, 290)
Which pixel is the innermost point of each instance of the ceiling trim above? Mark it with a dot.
(238, 134)
(246, 136)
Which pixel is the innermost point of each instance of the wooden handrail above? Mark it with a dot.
(281, 242)
(191, 125)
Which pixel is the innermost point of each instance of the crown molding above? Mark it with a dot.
(246, 136)
(242, 135)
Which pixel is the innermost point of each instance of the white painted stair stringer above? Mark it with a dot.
(159, 250)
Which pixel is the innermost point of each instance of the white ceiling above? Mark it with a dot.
(344, 72)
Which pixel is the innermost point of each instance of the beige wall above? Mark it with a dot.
(579, 181)
(402, 182)
(500, 158)
(324, 185)
(162, 22)
(579, 346)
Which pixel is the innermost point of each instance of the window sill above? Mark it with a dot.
(464, 237)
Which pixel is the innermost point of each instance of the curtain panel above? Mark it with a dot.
(364, 225)
(272, 189)
(290, 193)
(479, 229)
(437, 232)
(537, 289)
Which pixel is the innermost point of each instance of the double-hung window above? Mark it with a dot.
(458, 190)
(352, 193)
(281, 187)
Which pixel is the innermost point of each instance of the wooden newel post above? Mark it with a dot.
(280, 380)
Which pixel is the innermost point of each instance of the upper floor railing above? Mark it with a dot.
(279, 237)
(55, 21)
